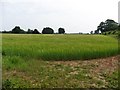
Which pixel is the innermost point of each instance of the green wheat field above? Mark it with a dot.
(40, 61)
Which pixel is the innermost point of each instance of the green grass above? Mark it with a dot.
(48, 74)
(30, 61)
(59, 47)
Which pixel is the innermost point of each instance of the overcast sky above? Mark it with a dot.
(73, 15)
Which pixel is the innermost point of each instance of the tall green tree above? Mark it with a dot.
(17, 30)
(29, 31)
(101, 27)
(36, 31)
(61, 30)
(47, 30)
(96, 32)
(108, 25)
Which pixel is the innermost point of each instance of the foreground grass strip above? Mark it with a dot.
(96, 73)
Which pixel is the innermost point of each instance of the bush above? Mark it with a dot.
(61, 30)
(29, 31)
(114, 32)
(17, 30)
(3, 53)
(105, 33)
(35, 31)
(109, 32)
(47, 30)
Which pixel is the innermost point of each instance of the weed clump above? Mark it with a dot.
(7, 84)
(3, 53)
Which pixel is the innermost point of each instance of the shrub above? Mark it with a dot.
(3, 53)
(17, 30)
(47, 30)
(109, 32)
(61, 30)
(35, 31)
(105, 33)
(114, 32)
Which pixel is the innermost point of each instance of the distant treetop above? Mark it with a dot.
(61, 30)
(36, 31)
(47, 30)
(108, 25)
(17, 30)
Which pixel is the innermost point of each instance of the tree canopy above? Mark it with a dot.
(47, 30)
(108, 25)
(29, 31)
(61, 30)
(17, 30)
(35, 31)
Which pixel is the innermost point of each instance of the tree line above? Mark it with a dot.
(107, 26)
(47, 30)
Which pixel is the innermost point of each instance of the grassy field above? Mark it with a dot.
(59, 47)
(40, 60)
